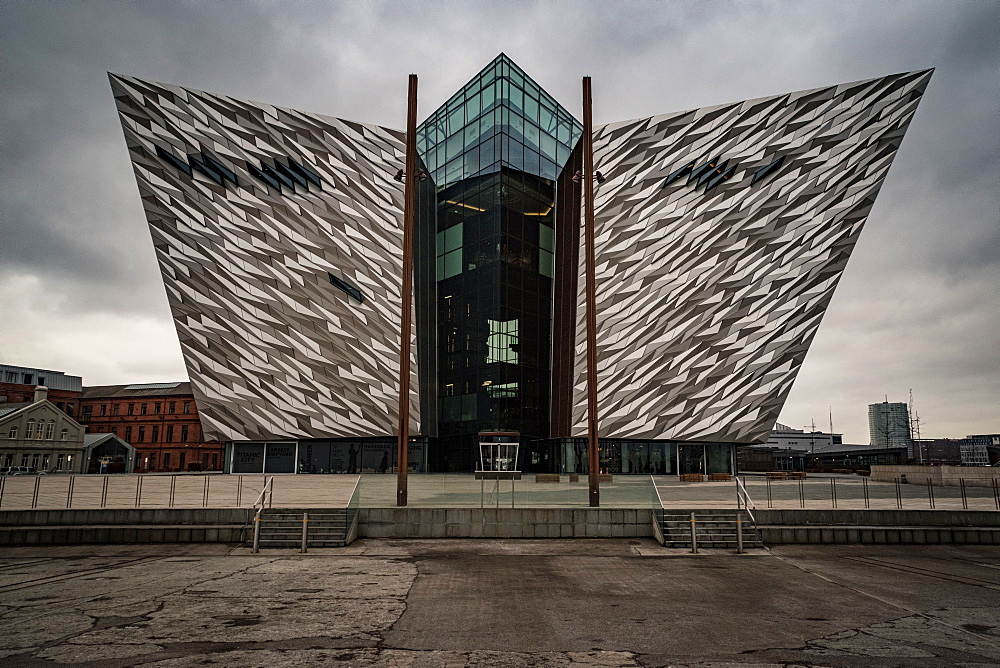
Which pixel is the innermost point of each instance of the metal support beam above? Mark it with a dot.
(409, 202)
(588, 227)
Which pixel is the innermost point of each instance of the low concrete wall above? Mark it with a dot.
(975, 527)
(505, 523)
(123, 527)
(974, 476)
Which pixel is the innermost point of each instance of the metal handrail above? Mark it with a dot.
(262, 499)
(743, 500)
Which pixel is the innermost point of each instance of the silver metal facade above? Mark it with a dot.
(252, 208)
(711, 287)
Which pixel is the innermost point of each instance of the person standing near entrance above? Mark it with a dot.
(352, 459)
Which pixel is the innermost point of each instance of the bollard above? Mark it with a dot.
(256, 535)
(930, 493)
(305, 531)
(34, 496)
(739, 534)
(694, 537)
(965, 499)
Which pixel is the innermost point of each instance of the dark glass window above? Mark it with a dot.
(348, 287)
(767, 170)
(173, 160)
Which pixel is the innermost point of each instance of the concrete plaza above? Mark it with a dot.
(500, 603)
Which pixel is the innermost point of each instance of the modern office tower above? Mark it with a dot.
(721, 235)
(889, 425)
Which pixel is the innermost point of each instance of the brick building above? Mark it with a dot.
(18, 383)
(159, 419)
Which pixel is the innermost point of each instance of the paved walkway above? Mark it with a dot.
(610, 603)
(456, 490)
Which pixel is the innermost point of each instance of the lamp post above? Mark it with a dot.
(588, 177)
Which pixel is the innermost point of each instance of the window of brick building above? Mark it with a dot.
(114, 409)
(152, 460)
(166, 460)
(131, 409)
(85, 413)
(69, 410)
(156, 407)
(184, 432)
(170, 433)
(128, 434)
(142, 409)
(104, 409)
(156, 434)
(183, 460)
(142, 434)
(172, 407)
(187, 406)
(215, 460)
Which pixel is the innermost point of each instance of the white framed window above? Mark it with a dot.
(39, 428)
(50, 430)
(12, 434)
(64, 435)
(29, 429)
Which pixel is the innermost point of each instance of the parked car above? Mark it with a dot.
(20, 470)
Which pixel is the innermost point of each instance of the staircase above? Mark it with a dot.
(713, 529)
(327, 527)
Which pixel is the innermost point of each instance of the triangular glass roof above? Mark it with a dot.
(501, 118)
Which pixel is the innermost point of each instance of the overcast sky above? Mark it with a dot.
(919, 304)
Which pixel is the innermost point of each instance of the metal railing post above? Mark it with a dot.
(69, 491)
(899, 495)
(930, 492)
(256, 533)
(104, 492)
(239, 490)
(34, 496)
(965, 499)
(739, 534)
(270, 496)
(768, 481)
(833, 491)
(173, 486)
(694, 536)
(802, 495)
(204, 500)
(996, 493)
(138, 490)
(3, 483)
(864, 486)
(305, 532)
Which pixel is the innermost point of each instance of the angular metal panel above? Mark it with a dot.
(272, 348)
(711, 289)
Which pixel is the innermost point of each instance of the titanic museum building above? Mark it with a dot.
(720, 237)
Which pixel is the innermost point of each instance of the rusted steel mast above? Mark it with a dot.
(409, 205)
(588, 227)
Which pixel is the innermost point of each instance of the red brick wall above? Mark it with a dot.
(165, 437)
(67, 400)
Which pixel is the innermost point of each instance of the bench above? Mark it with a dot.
(574, 477)
(796, 475)
(692, 477)
(546, 477)
(719, 477)
(776, 475)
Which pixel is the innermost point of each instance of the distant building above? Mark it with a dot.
(38, 434)
(160, 420)
(783, 436)
(106, 453)
(18, 383)
(889, 425)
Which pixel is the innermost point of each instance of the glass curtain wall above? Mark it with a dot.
(493, 152)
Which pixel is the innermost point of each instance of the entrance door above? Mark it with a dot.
(690, 458)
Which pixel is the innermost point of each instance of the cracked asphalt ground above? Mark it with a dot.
(500, 603)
